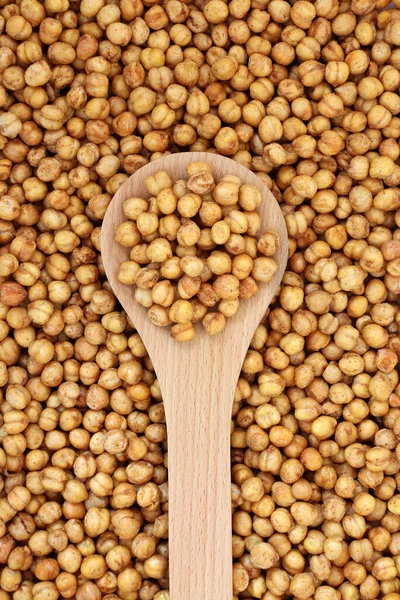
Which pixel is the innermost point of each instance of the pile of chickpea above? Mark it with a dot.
(193, 249)
(305, 94)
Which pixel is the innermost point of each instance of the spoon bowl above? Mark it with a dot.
(197, 381)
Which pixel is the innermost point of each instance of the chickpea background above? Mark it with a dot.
(181, 267)
(306, 95)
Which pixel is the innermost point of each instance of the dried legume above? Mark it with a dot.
(303, 93)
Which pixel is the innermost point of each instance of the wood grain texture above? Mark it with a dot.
(197, 381)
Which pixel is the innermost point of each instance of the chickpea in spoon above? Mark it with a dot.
(194, 249)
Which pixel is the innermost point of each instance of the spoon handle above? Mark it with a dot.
(200, 525)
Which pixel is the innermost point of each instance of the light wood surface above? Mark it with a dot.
(197, 381)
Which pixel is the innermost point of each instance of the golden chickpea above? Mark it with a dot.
(183, 332)
(214, 323)
(226, 141)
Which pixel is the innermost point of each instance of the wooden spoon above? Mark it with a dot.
(198, 381)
